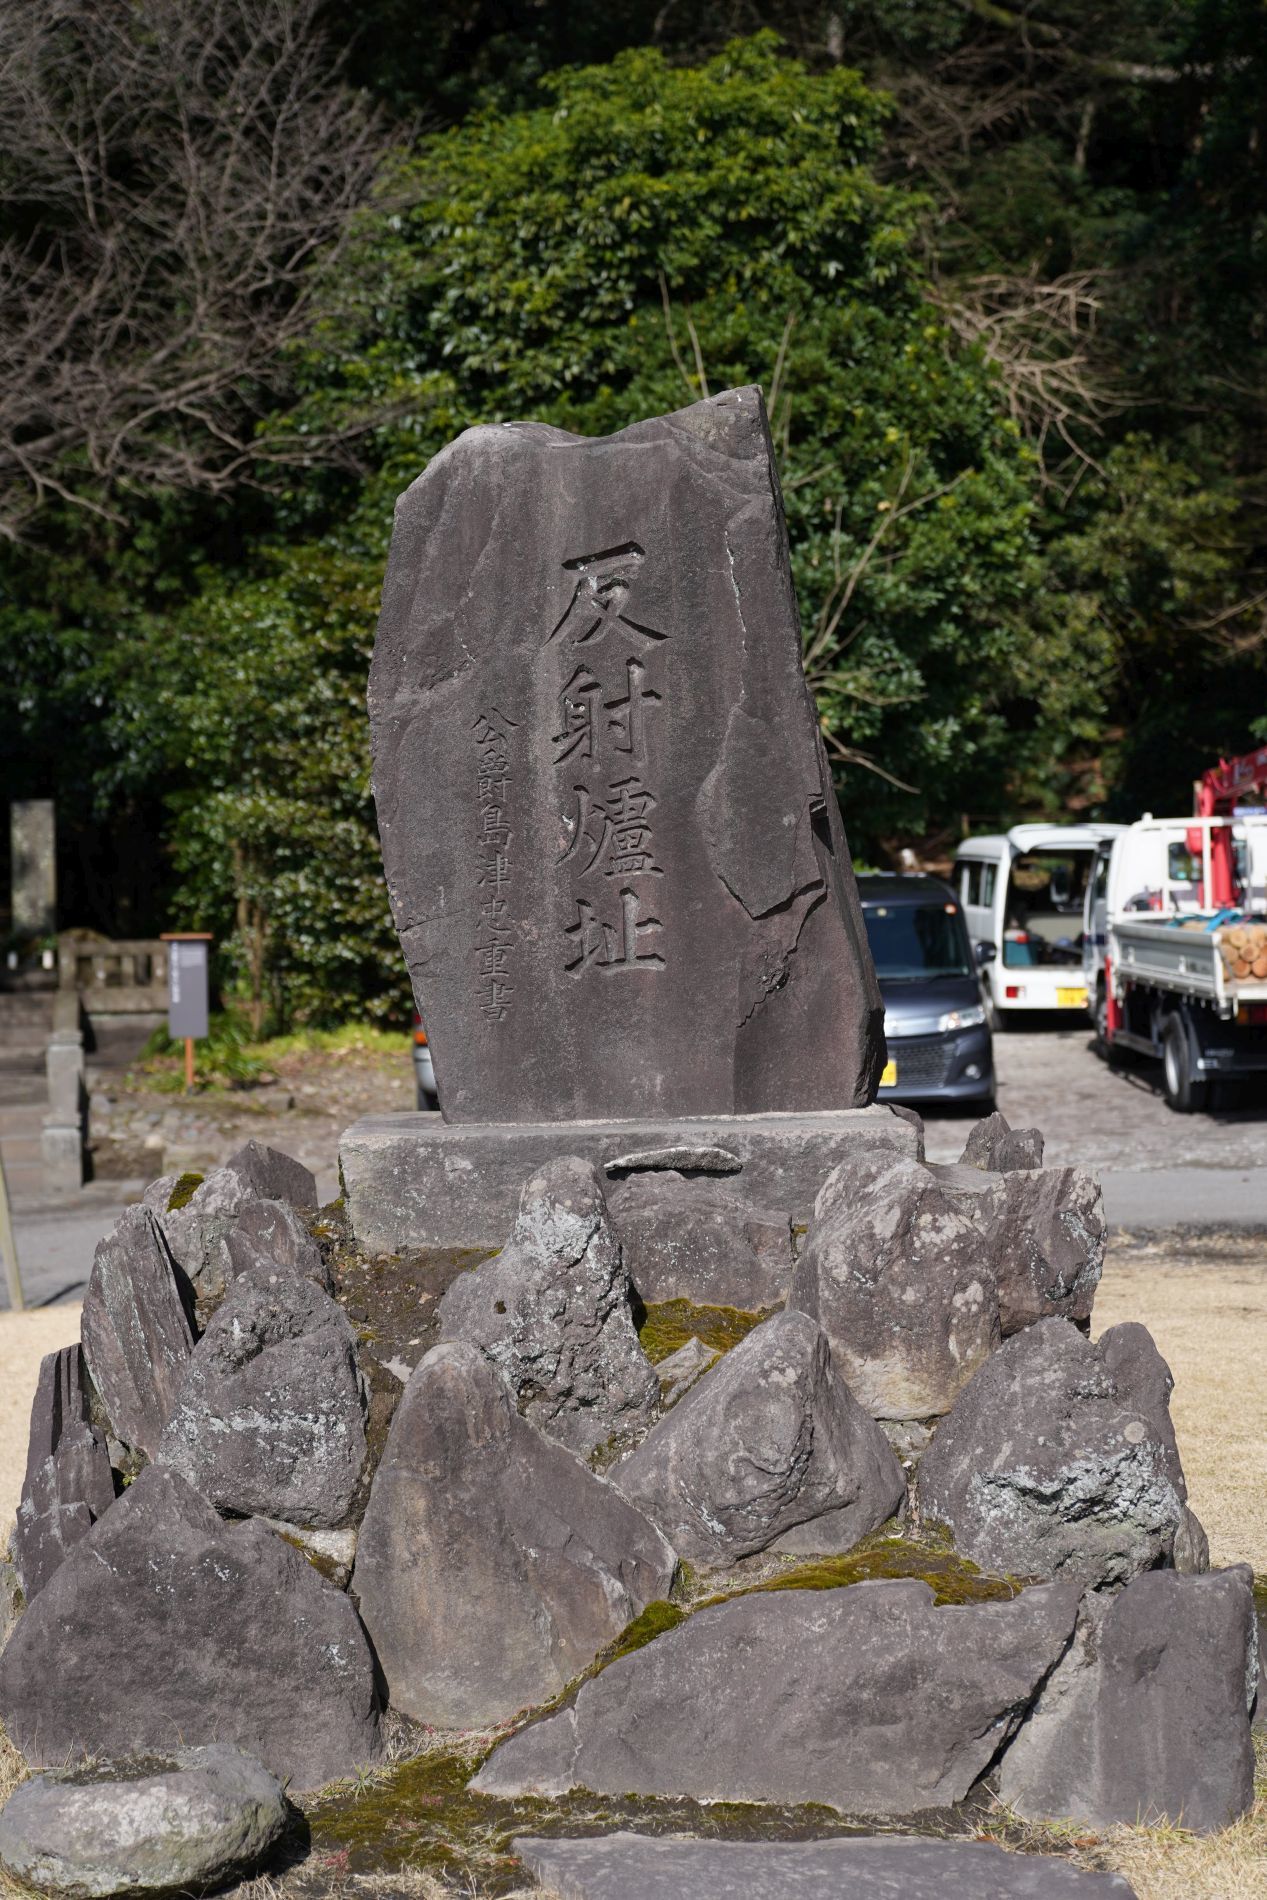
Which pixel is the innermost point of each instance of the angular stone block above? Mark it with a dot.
(867, 1699)
(1147, 1718)
(1044, 1235)
(197, 1231)
(997, 1147)
(770, 1448)
(692, 1240)
(167, 1627)
(68, 1483)
(612, 846)
(492, 1565)
(412, 1182)
(136, 1334)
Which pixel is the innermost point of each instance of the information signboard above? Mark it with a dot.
(188, 990)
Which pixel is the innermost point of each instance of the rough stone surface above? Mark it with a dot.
(683, 1369)
(1044, 1235)
(770, 1447)
(612, 846)
(689, 1240)
(867, 1699)
(331, 1553)
(413, 1182)
(270, 1420)
(197, 1232)
(1050, 1465)
(68, 1483)
(165, 1626)
(1191, 1553)
(136, 1334)
(894, 1272)
(626, 1866)
(144, 1827)
(997, 1147)
(492, 1565)
(552, 1312)
(270, 1234)
(1147, 1717)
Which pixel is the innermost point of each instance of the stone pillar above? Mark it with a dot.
(33, 836)
(62, 1136)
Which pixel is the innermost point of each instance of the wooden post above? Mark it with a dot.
(189, 1065)
(9, 1248)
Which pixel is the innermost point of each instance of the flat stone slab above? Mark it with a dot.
(414, 1181)
(628, 1866)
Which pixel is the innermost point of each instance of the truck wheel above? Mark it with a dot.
(1100, 1015)
(1184, 1092)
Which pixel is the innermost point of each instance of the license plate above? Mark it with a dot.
(888, 1079)
(1071, 999)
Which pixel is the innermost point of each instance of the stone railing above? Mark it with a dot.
(114, 978)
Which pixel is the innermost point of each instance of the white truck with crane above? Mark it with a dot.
(1175, 938)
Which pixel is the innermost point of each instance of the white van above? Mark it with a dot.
(1022, 893)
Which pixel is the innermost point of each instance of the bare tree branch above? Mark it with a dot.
(182, 180)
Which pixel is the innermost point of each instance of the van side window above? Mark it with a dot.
(1100, 885)
(988, 875)
(970, 883)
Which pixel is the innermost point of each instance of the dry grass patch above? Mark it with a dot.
(1204, 1300)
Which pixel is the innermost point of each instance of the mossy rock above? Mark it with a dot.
(665, 1328)
(183, 1192)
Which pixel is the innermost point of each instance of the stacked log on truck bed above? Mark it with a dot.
(1243, 948)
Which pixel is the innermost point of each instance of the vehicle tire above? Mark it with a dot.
(993, 1017)
(1100, 1017)
(1184, 1091)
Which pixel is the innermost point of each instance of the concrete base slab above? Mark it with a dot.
(415, 1181)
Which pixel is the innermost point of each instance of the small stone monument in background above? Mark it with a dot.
(612, 846)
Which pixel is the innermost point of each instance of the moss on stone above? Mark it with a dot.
(656, 1619)
(667, 1327)
(183, 1192)
(882, 1557)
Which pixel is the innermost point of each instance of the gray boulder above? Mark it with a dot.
(867, 1699)
(1050, 1465)
(492, 1565)
(683, 1369)
(1043, 1232)
(1147, 1716)
(272, 1236)
(197, 1230)
(68, 1482)
(895, 1273)
(166, 1626)
(771, 1447)
(12, 1600)
(136, 1334)
(689, 1240)
(625, 1866)
(194, 1819)
(993, 1145)
(270, 1420)
(552, 1313)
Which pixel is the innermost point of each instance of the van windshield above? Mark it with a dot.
(1042, 921)
(913, 942)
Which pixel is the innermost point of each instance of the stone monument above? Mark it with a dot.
(612, 846)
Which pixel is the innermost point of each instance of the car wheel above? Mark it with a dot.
(1184, 1091)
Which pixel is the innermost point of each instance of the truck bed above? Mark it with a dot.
(1186, 958)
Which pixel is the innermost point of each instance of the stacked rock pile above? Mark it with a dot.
(222, 1544)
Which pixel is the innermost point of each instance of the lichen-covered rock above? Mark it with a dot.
(167, 1627)
(492, 1565)
(197, 1229)
(690, 1240)
(895, 1273)
(995, 1146)
(1147, 1717)
(270, 1420)
(170, 1825)
(1054, 1465)
(68, 1483)
(867, 1699)
(770, 1447)
(552, 1312)
(1043, 1232)
(271, 1235)
(136, 1334)
(683, 1369)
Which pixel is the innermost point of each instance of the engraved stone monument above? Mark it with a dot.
(612, 846)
